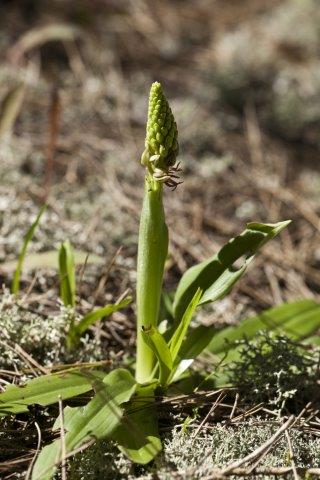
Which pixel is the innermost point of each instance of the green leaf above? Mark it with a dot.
(137, 435)
(181, 330)
(98, 419)
(15, 286)
(298, 320)
(49, 259)
(47, 390)
(158, 345)
(218, 274)
(194, 344)
(76, 330)
(197, 340)
(313, 340)
(96, 315)
(166, 307)
(67, 274)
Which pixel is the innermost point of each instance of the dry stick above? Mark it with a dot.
(25, 357)
(81, 272)
(4, 466)
(292, 198)
(36, 452)
(30, 288)
(266, 471)
(68, 455)
(234, 406)
(75, 60)
(254, 137)
(200, 395)
(311, 416)
(105, 276)
(221, 397)
(260, 450)
(264, 454)
(255, 464)
(63, 441)
(274, 285)
(303, 411)
(54, 120)
(294, 468)
(30, 359)
(65, 367)
(247, 413)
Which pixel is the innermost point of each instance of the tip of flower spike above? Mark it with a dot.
(156, 86)
(161, 144)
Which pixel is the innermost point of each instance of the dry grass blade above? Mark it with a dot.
(10, 108)
(38, 36)
(54, 122)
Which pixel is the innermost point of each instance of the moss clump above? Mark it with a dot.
(41, 336)
(275, 370)
(192, 458)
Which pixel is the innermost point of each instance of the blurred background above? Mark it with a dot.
(243, 79)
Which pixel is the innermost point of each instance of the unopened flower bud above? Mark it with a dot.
(161, 145)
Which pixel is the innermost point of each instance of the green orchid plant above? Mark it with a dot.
(123, 406)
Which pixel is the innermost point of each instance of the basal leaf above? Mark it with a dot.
(46, 390)
(158, 345)
(99, 313)
(77, 329)
(98, 419)
(194, 344)
(298, 320)
(49, 259)
(181, 330)
(218, 274)
(137, 435)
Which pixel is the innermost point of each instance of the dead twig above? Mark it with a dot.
(265, 471)
(36, 452)
(215, 405)
(260, 450)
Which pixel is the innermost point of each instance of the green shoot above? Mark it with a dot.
(159, 347)
(15, 286)
(67, 274)
(68, 297)
(159, 158)
(123, 408)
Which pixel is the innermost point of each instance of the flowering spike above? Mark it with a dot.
(161, 144)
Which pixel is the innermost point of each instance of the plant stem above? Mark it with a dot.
(152, 253)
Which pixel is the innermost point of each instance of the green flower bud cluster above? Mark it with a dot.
(162, 135)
